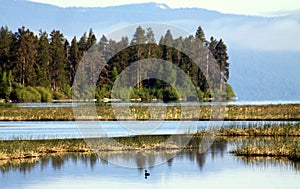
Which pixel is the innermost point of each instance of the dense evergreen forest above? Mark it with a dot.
(42, 67)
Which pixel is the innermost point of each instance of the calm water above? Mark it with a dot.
(65, 129)
(215, 169)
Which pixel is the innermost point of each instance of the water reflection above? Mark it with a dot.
(219, 150)
(267, 162)
(56, 162)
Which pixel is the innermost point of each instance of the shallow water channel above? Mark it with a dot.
(12, 130)
(217, 168)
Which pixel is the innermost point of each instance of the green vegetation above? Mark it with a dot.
(30, 94)
(6, 105)
(39, 68)
(229, 92)
(46, 95)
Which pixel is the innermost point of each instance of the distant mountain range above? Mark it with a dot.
(264, 51)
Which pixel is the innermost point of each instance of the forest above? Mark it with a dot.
(42, 67)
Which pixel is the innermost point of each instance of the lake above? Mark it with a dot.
(217, 168)
(11, 130)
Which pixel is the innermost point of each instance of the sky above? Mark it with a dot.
(246, 7)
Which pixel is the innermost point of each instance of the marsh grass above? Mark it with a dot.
(141, 142)
(288, 147)
(22, 149)
(281, 140)
(267, 140)
(106, 112)
(282, 129)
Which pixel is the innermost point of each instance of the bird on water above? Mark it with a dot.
(146, 174)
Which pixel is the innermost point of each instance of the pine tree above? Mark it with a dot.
(202, 42)
(177, 54)
(91, 39)
(43, 60)
(67, 48)
(152, 50)
(103, 46)
(201, 36)
(121, 60)
(5, 48)
(74, 59)
(112, 48)
(138, 50)
(211, 54)
(25, 57)
(139, 36)
(222, 58)
(212, 45)
(168, 44)
(150, 36)
(58, 60)
(151, 43)
(83, 44)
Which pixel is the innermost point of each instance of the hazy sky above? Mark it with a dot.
(249, 7)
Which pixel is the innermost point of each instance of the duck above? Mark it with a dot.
(146, 173)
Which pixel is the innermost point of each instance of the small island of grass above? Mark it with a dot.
(269, 141)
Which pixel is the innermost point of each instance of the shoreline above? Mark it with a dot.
(267, 144)
(286, 112)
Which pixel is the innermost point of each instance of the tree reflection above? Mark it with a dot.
(201, 160)
(170, 161)
(140, 159)
(22, 166)
(57, 162)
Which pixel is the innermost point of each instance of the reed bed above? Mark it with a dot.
(281, 129)
(268, 140)
(22, 149)
(281, 140)
(263, 112)
(278, 147)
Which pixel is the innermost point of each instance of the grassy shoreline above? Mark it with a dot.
(289, 148)
(286, 112)
(267, 141)
(26, 149)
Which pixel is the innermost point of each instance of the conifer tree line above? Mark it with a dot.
(42, 67)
